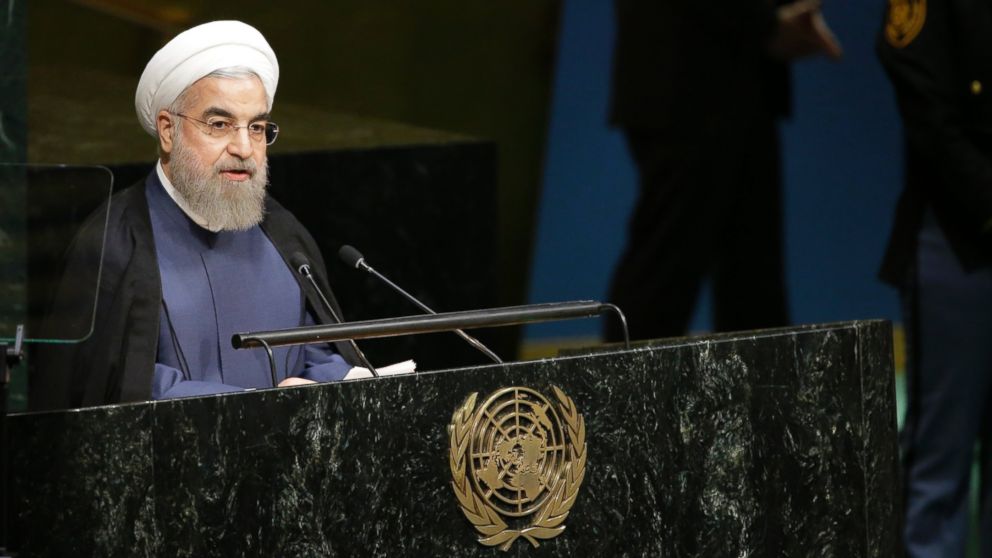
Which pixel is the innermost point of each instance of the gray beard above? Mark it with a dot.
(230, 205)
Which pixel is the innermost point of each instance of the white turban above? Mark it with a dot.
(195, 53)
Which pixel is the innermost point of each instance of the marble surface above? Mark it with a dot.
(776, 443)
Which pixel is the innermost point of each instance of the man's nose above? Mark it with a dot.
(240, 144)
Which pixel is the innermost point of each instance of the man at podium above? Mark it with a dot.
(197, 251)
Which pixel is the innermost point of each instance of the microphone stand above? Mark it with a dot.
(11, 357)
(353, 258)
(305, 271)
(461, 333)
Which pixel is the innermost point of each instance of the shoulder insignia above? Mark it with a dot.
(904, 21)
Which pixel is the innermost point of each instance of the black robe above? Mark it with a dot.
(116, 362)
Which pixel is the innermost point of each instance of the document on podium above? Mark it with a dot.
(405, 367)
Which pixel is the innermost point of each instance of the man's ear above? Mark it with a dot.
(165, 126)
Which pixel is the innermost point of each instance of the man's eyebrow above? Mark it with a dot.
(217, 111)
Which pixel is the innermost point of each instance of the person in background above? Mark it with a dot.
(938, 55)
(698, 89)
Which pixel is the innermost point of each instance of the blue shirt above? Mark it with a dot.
(218, 284)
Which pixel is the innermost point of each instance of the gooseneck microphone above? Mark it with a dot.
(302, 266)
(353, 258)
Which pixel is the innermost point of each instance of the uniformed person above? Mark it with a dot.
(938, 54)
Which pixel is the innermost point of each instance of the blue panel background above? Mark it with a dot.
(843, 168)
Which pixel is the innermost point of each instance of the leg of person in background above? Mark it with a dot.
(748, 274)
(949, 378)
(670, 236)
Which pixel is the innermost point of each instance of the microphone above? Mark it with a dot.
(302, 266)
(353, 258)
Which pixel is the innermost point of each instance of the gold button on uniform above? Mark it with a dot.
(976, 87)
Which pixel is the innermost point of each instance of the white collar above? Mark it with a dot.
(181, 201)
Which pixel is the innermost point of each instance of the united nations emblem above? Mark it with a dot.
(517, 463)
(905, 21)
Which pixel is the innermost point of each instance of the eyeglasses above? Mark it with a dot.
(225, 129)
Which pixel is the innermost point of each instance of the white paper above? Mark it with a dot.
(405, 367)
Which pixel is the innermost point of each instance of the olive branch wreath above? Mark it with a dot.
(548, 522)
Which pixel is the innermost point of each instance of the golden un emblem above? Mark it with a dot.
(905, 21)
(517, 463)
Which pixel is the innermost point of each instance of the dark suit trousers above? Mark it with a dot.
(709, 207)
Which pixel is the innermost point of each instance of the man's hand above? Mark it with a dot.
(803, 32)
(294, 381)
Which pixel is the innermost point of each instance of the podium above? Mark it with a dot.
(766, 443)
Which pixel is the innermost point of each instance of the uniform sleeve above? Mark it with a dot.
(933, 89)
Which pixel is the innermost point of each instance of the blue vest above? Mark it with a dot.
(215, 285)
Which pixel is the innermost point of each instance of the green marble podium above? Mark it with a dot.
(765, 443)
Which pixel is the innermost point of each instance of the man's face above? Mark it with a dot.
(222, 175)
